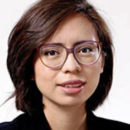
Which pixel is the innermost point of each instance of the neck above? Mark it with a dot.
(66, 118)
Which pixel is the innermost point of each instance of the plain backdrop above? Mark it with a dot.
(116, 14)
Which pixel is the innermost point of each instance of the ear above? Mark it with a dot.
(102, 64)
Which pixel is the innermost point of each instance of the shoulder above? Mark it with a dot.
(102, 122)
(35, 121)
(17, 124)
(107, 124)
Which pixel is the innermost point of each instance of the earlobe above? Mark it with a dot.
(103, 64)
(102, 68)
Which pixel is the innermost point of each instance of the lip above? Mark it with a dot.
(72, 90)
(71, 82)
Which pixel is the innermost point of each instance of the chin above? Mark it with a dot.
(71, 101)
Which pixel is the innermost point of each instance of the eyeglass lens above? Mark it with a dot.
(85, 53)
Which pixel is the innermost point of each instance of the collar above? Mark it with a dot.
(39, 121)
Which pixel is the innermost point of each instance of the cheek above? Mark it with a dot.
(96, 71)
(43, 75)
(93, 78)
(93, 73)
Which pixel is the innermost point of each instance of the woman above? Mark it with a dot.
(61, 63)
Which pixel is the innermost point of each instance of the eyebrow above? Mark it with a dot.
(76, 43)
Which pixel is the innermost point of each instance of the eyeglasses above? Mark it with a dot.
(85, 53)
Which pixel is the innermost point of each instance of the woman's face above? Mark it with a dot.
(73, 29)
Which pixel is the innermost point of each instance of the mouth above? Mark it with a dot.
(72, 86)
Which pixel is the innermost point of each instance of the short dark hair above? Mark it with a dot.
(34, 29)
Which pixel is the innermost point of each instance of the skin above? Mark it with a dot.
(67, 111)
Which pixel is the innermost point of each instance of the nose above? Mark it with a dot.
(71, 65)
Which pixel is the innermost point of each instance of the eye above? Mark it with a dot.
(51, 53)
(85, 50)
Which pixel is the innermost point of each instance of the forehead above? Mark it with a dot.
(74, 28)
